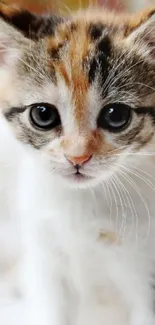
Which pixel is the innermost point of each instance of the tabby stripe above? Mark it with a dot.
(146, 111)
(13, 111)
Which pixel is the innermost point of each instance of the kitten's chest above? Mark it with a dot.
(96, 234)
(80, 221)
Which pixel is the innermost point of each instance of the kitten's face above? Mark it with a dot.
(84, 98)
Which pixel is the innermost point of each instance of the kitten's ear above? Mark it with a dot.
(140, 30)
(31, 25)
(12, 43)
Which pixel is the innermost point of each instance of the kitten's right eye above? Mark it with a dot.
(44, 116)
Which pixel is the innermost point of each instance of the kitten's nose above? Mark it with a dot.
(79, 160)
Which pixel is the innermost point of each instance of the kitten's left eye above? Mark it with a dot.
(114, 117)
(44, 116)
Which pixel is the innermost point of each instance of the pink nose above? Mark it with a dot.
(80, 160)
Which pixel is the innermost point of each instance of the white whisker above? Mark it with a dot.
(133, 184)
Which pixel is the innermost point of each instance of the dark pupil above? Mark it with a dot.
(44, 113)
(117, 117)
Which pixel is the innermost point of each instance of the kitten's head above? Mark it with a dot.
(83, 92)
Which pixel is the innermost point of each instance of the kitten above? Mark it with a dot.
(80, 100)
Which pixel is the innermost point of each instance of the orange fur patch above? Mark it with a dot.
(78, 48)
(92, 144)
(70, 67)
(138, 19)
(63, 73)
(9, 11)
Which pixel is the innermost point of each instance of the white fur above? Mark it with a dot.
(58, 269)
(71, 255)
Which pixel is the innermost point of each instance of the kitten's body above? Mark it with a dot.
(97, 267)
(85, 249)
(95, 256)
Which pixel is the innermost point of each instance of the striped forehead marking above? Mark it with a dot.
(70, 67)
(78, 53)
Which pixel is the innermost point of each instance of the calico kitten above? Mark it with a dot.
(80, 98)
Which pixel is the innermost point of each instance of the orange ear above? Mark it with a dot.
(138, 19)
(30, 24)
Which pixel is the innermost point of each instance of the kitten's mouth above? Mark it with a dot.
(79, 177)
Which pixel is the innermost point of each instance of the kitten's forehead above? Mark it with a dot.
(77, 41)
(78, 50)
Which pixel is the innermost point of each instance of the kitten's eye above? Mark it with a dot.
(44, 116)
(114, 117)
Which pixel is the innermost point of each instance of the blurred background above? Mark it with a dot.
(66, 5)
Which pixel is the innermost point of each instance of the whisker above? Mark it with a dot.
(122, 210)
(110, 200)
(115, 200)
(148, 182)
(132, 207)
(133, 184)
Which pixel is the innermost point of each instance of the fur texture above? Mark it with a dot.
(78, 239)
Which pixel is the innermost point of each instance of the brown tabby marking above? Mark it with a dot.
(31, 25)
